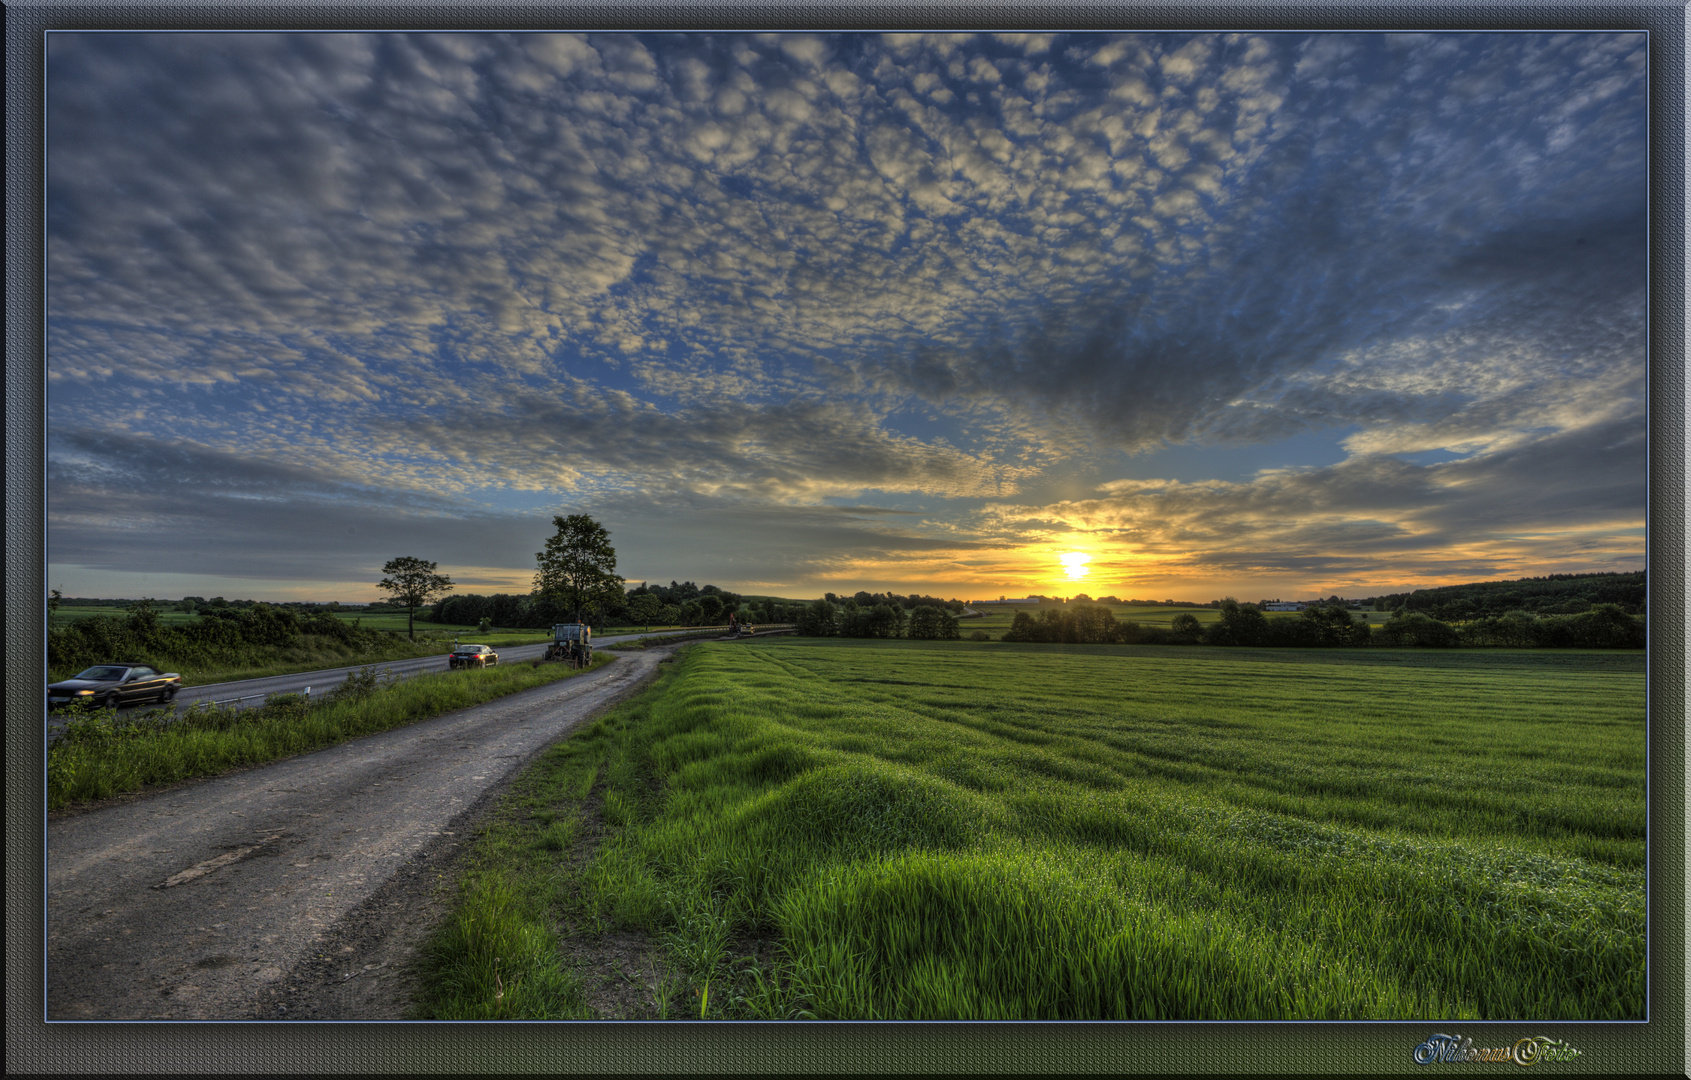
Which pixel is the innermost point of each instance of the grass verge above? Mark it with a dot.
(905, 830)
(101, 754)
(641, 644)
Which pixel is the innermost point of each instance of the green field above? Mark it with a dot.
(69, 613)
(871, 829)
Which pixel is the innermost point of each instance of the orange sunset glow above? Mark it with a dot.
(1146, 314)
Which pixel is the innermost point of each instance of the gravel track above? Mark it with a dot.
(295, 889)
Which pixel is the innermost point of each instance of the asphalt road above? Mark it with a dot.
(254, 691)
(318, 682)
(266, 893)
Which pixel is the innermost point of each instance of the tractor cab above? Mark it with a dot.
(572, 642)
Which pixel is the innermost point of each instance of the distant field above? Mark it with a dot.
(945, 830)
(995, 620)
(69, 614)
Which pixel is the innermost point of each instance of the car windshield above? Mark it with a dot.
(101, 674)
(469, 648)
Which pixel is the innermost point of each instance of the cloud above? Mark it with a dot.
(779, 269)
(1572, 501)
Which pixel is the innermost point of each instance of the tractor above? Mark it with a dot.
(571, 642)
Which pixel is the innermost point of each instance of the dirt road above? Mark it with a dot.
(297, 889)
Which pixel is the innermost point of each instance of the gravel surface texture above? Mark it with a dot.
(296, 889)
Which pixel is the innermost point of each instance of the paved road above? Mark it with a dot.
(322, 681)
(207, 901)
(254, 691)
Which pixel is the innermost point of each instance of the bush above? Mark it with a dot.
(1606, 626)
(1415, 629)
(1241, 624)
(1185, 629)
(361, 684)
(818, 620)
(1319, 627)
(932, 623)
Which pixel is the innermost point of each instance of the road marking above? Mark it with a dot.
(200, 870)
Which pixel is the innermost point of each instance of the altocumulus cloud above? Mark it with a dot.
(471, 279)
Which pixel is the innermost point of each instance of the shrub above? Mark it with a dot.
(1241, 624)
(361, 684)
(1414, 628)
(1185, 629)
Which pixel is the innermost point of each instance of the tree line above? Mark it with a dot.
(1606, 626)
(887, 617)
(678, 604)
(1554, 594)
(576, 580)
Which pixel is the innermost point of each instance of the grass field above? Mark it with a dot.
(858, 829)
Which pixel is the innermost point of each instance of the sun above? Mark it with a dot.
(1075, 563)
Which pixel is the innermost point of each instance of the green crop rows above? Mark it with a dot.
(842, 829)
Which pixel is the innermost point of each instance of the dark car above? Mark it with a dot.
(114, 685)
(472, 656)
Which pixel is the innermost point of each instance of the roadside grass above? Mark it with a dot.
(643, 643)
(498, 955)
(659, 628)
(912, 830)
(311, 652)
(100, 753)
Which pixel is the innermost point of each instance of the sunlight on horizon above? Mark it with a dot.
(1074, 562)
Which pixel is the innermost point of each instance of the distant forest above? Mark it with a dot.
(1557, 594)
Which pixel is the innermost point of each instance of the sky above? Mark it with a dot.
(1147, 315)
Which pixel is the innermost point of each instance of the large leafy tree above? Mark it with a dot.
(578, 568)
(413, 583)
(645, 609)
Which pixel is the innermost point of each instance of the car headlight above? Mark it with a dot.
(85, 693)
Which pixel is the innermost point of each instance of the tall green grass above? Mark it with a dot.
(952, 831)
(102, 754)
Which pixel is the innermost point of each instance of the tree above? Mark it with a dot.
(413, 583)
(645, 609)
(1186, 628)
(1241, 624)
(818, 619)
(143, 615)
(710, 609)
(578, 567)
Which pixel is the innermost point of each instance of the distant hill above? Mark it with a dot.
(1557, 594)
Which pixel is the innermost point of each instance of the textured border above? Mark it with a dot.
(1659, 1046)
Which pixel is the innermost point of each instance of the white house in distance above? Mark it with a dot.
(1026, 601)
(1284, 605)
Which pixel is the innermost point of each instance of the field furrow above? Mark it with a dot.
(938, 830)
